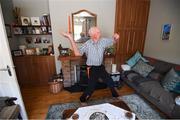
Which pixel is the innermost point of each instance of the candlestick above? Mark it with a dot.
(69, 24)
(114, 68)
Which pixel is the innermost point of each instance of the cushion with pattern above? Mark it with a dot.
(142, 68)
(171, 81)
(135, 58)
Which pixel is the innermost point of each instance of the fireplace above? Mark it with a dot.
(74, 69)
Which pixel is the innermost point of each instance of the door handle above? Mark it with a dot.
(7, 69)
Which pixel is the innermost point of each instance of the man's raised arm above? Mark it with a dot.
(73, 44)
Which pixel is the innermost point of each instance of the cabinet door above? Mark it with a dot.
(43, 69)
(34, 70)
(23, 67)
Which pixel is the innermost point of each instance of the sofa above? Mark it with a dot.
(151, 88)
(8, 109)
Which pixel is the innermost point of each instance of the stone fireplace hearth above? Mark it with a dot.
(71, 68)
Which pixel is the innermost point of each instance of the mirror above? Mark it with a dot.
(82, 21)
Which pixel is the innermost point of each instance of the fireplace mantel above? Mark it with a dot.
(69, 63)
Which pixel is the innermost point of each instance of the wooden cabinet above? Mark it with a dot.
(34, 70)
(131, 24)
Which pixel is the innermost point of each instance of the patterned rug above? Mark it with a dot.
(138, 105)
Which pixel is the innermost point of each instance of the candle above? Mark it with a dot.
(69, 24)
(113, 68)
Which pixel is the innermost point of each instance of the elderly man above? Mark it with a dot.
(94, 50)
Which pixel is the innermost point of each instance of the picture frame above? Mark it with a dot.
(8, 30)
(25, 21)
(30, 51)
(50, 50)
(45, 51)
(35, 21)
(166, 31)
(64, 52)
(17, 53)
(17, 30)
(45, 40)
(37, 40)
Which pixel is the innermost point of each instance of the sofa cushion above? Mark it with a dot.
(178, 72)
(155, 75)
(162, 67)
(171, 81)
(149, 86)
(10, 112)
(142, 68)
(131, 76)
(135, 58)
(155, 90)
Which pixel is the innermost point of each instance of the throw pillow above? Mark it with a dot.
(155, 76)
(178, 72)
(171, 81)
(135, 58)
(142, 68)
(162, 67)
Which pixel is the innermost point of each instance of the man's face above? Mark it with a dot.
(96, 34)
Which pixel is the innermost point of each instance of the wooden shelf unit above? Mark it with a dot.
(32, 30)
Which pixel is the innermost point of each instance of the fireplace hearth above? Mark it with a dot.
(81, 80)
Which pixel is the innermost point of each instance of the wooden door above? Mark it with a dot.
(131, 24)
(9, 86)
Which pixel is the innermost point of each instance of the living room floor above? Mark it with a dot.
(38, 99)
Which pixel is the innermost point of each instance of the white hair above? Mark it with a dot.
(92, 30)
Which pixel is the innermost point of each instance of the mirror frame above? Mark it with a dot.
(83, 10)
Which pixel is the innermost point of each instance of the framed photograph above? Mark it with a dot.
(45, 40)
(35, 21)
(64, 52)
(30, 51)
(28, 40)
(8, 30)
(44, 30)
(25, 21)
(37, 40)
(50, 49)
(17, 53)
(17, 30)
(37, 30)
(45, 51)
(166, 31)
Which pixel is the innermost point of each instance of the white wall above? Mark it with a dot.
(161, 12)
(32, 8)
(60, 9)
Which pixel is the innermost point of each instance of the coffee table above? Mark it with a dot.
(69, 112)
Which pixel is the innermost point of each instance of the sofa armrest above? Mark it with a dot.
(10, 112)
(176, 112)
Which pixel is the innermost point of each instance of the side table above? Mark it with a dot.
(116, 78)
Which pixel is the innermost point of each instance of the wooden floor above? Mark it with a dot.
(38, 99)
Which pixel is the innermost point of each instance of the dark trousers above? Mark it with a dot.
(96, 72)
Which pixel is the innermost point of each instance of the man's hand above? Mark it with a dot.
(67, 35)
(73, 44)
(116, 37)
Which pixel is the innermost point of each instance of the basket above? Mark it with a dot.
(55, 87)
